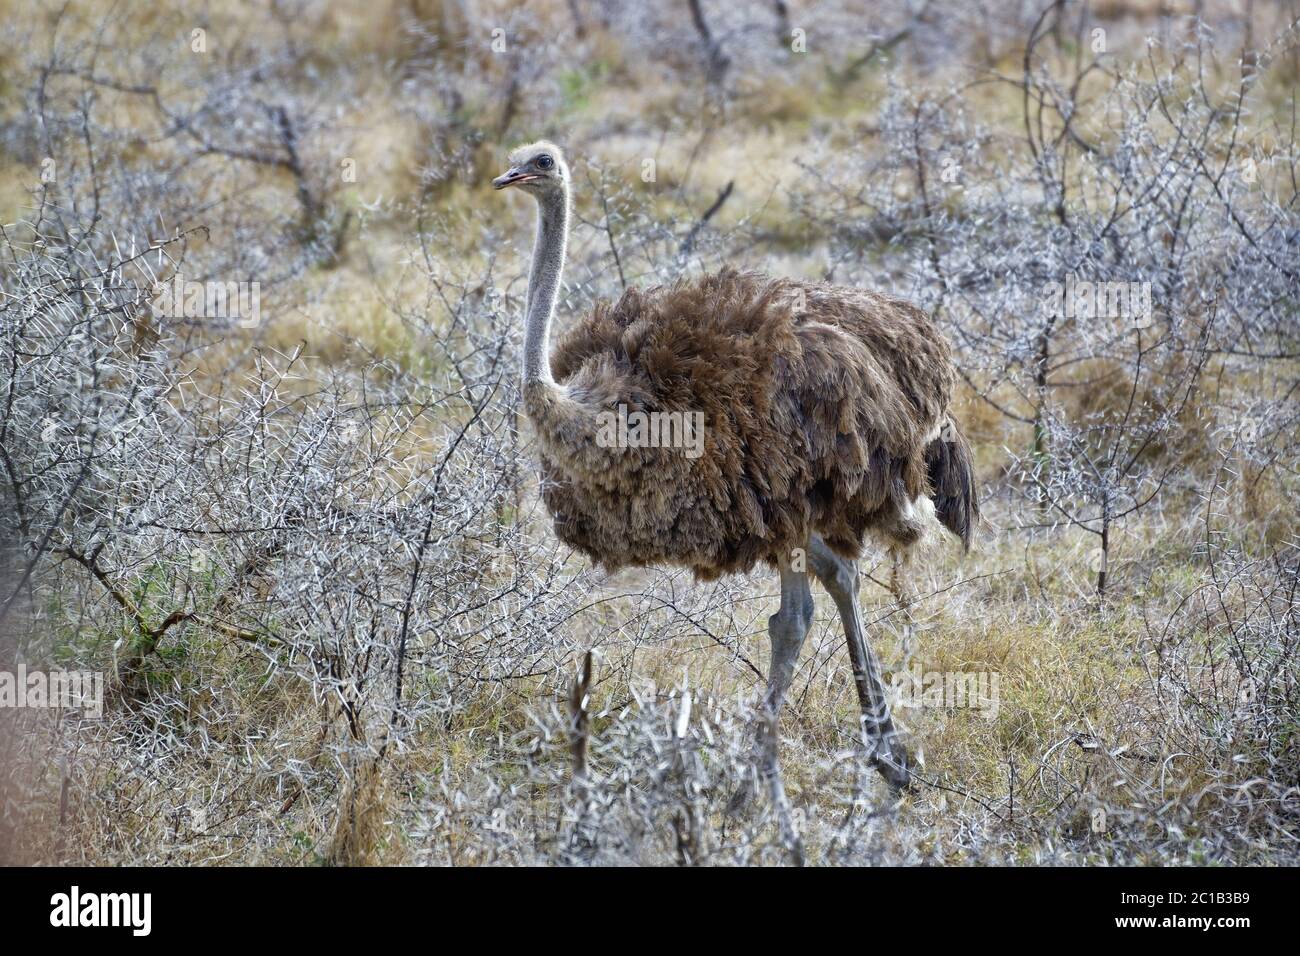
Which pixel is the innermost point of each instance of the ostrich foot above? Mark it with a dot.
(894, 763)
(765, 775)
(741, 800)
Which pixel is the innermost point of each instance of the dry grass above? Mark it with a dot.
(240, 752)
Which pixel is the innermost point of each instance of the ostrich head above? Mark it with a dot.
(538, 168)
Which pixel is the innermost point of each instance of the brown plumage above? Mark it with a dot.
(824, 415)
(817, 420)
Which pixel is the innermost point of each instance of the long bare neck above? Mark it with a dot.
(544, 285)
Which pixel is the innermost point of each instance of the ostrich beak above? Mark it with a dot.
(510, 177)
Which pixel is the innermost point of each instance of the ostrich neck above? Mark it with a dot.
(544, 285)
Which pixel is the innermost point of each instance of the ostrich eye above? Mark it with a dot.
(545, 162)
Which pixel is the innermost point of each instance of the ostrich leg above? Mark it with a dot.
(786, 629)
(840, 578)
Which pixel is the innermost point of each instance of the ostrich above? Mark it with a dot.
(826, 414)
